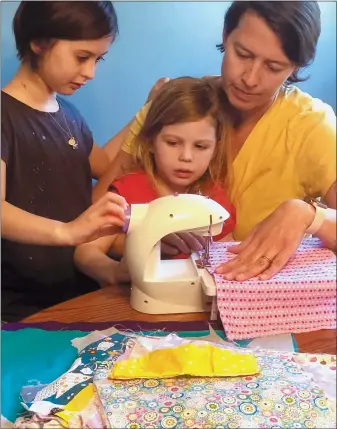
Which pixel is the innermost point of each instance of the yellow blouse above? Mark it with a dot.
(290, 153)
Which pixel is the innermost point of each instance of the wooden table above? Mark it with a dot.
(112, 304)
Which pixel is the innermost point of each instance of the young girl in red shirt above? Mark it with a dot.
(181, 148)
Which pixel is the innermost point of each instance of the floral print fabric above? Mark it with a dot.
(282, 395)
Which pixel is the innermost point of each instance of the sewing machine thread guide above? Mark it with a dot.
(202, 263)
(209, 241)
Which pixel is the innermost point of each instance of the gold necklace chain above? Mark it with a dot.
(72, 142)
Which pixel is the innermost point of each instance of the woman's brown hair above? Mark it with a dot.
(184, 99)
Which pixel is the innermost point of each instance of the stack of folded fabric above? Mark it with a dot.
(133, 381)
(300, 298)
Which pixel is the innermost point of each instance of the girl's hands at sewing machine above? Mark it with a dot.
(105, 217)
(182, 242)
(271, 243)
(121, 274)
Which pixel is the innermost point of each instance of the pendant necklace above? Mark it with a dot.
(71, 142)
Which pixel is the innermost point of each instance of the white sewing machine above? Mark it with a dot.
(175, 285)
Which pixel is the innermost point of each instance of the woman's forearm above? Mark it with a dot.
(23, 227)
(327, 232)
(113, 146)
(121, 164)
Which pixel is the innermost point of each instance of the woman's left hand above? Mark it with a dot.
(271, 243)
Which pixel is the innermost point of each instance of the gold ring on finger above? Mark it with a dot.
(270, 262)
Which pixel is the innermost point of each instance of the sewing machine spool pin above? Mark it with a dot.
(209, 241)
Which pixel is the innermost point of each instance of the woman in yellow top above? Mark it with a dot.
(282, 144)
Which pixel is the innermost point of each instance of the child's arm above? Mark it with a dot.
(104, 217)
(100, 259)
(92, 259)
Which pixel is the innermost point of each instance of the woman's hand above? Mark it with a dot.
(271, 244)
(156, 88)
(105, 217)
(182, 242)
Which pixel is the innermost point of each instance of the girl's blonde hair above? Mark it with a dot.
(185, 99)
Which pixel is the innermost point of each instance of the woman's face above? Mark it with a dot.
(68, 65)
(254, 66)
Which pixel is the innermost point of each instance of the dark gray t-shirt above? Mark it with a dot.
(46, 177)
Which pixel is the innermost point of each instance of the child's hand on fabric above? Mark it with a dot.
(105, 217)
(182, 242)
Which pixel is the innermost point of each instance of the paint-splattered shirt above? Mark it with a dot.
(47, 177)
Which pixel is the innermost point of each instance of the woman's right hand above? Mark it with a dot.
(105, 217)
(156, 88)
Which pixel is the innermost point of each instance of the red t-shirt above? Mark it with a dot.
(137, 188)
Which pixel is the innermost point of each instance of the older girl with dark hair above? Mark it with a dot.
(48, 155)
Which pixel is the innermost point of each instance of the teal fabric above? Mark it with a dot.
(32, 356)
(35, 356)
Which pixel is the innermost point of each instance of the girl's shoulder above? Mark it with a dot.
(132, 177)
(69, 108)
(136, 187)
(27, 132)
(13, 108)
(15, 111)
(214, 187)
(218, 192)
(137, 179)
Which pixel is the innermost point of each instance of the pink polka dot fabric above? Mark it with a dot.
(301, 298)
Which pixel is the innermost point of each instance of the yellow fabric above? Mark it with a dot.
(78, 403)
(290, 153)
(189, 359)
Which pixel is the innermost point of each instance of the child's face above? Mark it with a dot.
(68, 65)
(183, 152)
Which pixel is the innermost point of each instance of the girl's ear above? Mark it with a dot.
(40, 46)
(36, 48)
